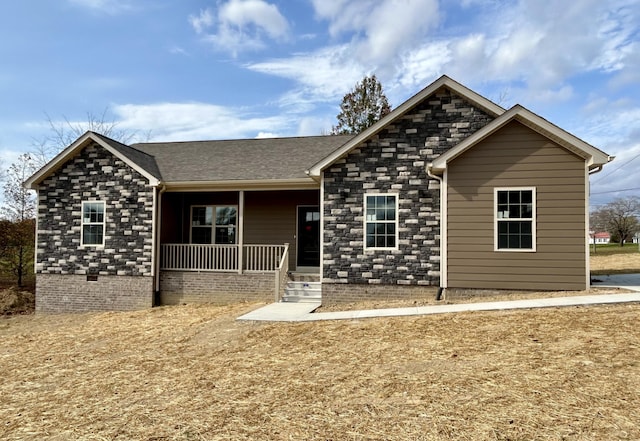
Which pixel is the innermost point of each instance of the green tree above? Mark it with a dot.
(362, 107)
(619, 218)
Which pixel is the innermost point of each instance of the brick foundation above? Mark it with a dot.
(219, 288)
(56, 293)
(333, 293)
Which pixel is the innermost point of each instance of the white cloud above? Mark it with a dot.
(242, 13)
(422, 65)
(195, 121)
(314, 126)
(202, 21)
(241, 25)
(380, 29)
(263, 135)
(324, 75)
(106, 6)
(536, 46)
(615, 126)
(618, 179)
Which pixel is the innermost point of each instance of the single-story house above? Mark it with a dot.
(599, 237)
(449, 190)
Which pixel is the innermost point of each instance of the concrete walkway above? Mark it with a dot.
(303, 312)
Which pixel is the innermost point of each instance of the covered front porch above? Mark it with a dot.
(223, 246)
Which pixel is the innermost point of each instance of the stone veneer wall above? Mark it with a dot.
(94, 175)
(74, 293)
(219, 288)
(393, 162)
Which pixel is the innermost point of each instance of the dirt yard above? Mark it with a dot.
(194, 373)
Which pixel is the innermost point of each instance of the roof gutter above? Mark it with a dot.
(598, 169)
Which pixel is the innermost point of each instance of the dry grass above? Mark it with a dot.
(615, 263)
(16, 301)
(194, 373)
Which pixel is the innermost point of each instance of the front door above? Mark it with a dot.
(308, 236)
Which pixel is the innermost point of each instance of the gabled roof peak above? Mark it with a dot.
(594, 156)
(444, 81)
(138, 160)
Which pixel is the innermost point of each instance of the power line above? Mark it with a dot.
(599, 178)
(616, 191)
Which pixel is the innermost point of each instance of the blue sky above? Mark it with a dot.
(220, 69)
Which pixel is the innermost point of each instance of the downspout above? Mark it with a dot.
(442, 229)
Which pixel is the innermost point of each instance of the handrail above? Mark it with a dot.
(281, 272)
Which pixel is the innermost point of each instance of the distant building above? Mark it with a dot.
(598, 238)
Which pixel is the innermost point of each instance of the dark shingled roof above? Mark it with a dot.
(142, 159)
(242, 159)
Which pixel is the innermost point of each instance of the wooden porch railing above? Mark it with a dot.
(221, 258)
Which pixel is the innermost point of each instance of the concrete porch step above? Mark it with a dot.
(297, 291)
(297, 276)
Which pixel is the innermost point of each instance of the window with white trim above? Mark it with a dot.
(93, 214)
(381, 221)
(515, 214)
(214, 224)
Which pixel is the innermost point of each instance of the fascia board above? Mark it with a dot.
(444, 80)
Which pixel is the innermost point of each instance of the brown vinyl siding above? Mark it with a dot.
(516, 156)
(270, 217)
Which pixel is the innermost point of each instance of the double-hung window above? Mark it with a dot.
(93, 223)
(381, 221)
(214, 224)
(515, 219)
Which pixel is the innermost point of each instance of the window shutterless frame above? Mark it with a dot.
(514, 210)
(380, 221)
(214, 224)
(92, 223)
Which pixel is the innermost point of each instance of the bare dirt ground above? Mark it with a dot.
(194, 373)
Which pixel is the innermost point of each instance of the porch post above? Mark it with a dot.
(240, 230)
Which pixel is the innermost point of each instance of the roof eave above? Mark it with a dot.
(243, 184)
(444, 80)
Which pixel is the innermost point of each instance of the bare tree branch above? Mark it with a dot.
(619, 218)
(63, 133)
